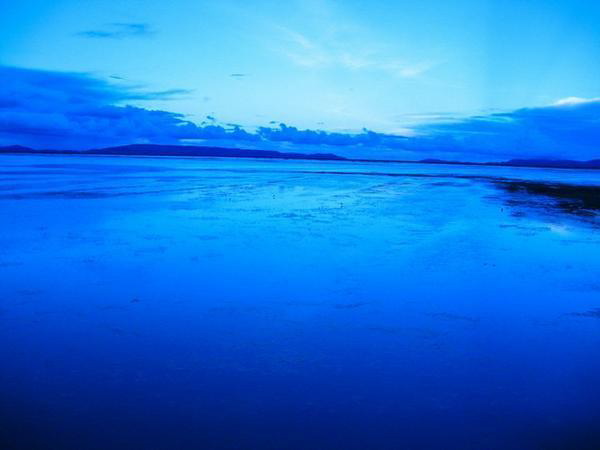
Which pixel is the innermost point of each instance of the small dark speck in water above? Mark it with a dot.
(350, 305)
(29, 292)
(112, 308)
(116, 330)
(448, 316)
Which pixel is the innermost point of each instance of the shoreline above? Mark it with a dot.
(570, 165)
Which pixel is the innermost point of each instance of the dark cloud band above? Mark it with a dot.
(119, 31)
(46, 109)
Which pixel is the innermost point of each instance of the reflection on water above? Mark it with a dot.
(206, 303)
(579, 200)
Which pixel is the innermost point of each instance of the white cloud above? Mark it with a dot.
(575, 101)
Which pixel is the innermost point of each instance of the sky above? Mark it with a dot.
(467, 79)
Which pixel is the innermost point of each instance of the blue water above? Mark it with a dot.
(156, 303)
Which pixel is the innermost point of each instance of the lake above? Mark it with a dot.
(174, 303)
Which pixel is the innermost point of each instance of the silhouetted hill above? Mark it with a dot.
(556, 163)
(16, 149)
(189, 150)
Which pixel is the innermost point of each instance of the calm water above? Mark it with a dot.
(152, 303)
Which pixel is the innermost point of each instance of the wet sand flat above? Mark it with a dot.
(210, 303)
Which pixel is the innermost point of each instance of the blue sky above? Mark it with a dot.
(467, 79)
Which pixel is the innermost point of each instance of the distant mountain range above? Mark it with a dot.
(177, 150)
(223, 152)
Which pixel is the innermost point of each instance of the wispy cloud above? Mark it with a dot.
(322, 35)
(354, 54)
(169, 94)
(119, 31)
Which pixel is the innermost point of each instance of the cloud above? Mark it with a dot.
(46, 109)
(119, 31)
(574, 101)
(568, 129)
(366, 138)
(169, 94)
(348, 53)
(76, 110)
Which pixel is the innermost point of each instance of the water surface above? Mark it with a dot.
(165, 303)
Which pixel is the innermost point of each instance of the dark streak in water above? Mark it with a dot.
(91, 194)
(572, 199)
(592, 313)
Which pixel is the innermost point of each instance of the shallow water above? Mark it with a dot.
(160, 303)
